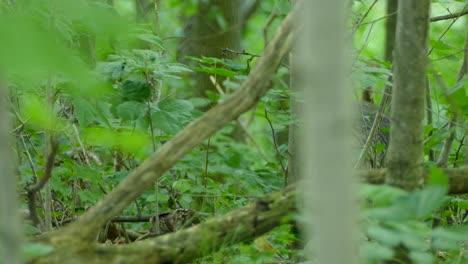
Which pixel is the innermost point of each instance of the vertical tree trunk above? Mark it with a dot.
(293, 144)
(206, 34)
(326, 148)
(405, 154)
(9, 219)
(464, 74)
(390, 29)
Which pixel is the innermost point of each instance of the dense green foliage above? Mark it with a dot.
(110, 105)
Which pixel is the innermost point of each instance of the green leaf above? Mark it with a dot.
(171, 114)
(380, 195)
(422, 203)
(221, 22)
(36, 111)
(440, 45)
(448, 238)
(384, 235)
(31, 250)
(376, 251)
(130, 110)
(103, 114)
(135, 90)
(422, 257)
(31, 230)
(151, 38)
(438, 177)
(181, 185)
(283, 6)
(216, 71)
(84, 111)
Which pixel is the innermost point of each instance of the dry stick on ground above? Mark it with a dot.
(142, 178)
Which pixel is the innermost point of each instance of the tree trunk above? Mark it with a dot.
(206, 35)
(10, 225)
(323, 70)
(405, 154)
(390, 28)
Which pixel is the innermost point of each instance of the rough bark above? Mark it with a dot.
(464, 74)
(405, 153)
(9, 218)
(293, 135)
(390, 28)
(259, 81)
(323, 70)
(204, 36)
(458, 178)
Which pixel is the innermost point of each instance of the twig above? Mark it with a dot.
(429, 115)
(28, 155)
(435, 131)
(432, 19)
(205, 180)
(48, 167)
(271, 18)
(83, 149)
(364, 45)
(276, 148)
(157, 24)
(445, 31)
(457, 153)
(445, 152)
(239, 123)
(358, 24)
(450, 16)
(375, 125)
(379, 19)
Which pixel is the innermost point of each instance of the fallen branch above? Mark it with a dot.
(458, 178)
(185, 245)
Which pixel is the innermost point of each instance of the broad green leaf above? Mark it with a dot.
(84, 111)
(216, 71)
(171, 115)
(32, 249)
(383, 235)
(181, 185)
(376, 251)
(130, 110)
(283, 6)
(135, 90)
(35, 111)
